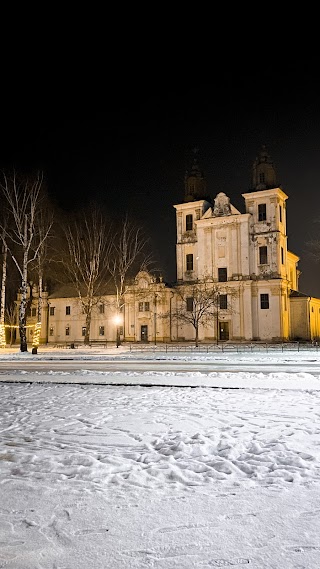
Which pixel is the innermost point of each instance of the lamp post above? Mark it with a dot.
(117, 321)
(218, 301)
(155, 319)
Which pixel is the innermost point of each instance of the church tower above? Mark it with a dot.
(266, 202)
(195, 205)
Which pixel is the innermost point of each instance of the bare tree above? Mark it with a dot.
(45, 219)
(23, 196)
(127, 255)
(85, 259)
(3, 288)
(197, 304)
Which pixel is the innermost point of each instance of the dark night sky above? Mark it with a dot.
(131, 148)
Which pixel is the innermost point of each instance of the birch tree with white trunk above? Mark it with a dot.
(3, 288)
(45, 219)
(23, 197)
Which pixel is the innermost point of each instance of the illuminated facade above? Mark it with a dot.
(243, 256)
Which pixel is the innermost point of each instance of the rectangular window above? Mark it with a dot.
(282, 256)
(189, 222)
(51, 330)
(264, 301)
(140, 306)
(262, 212)
(52, 310)
(67, 330)
(223, 301)
(263, 255)
(101, 308)
(101, 330)
(68, 310)
(280, 213)
(222, 275)
(83, 330)
(189, 261)
(146, 306)
(33, 312)
(189, 303)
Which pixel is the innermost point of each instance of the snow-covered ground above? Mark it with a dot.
(133, 476)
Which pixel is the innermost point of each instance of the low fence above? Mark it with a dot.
(201, 348)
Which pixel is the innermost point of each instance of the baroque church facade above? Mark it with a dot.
(244, 257)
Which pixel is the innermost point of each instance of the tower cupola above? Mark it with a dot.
(194, 181)
(263, 172)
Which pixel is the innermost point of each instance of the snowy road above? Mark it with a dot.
(295, 369)
(307, 364)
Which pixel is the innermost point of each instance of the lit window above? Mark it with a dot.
(264, 301)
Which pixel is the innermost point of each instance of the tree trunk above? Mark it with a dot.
(88, 324)
(40, 300)
(23, 307)
(3, 297)
(197, 336)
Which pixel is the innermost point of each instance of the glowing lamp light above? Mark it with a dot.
(117, 319)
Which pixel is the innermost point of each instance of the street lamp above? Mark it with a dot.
(155, 319)
(117, 321)
(218, 302)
